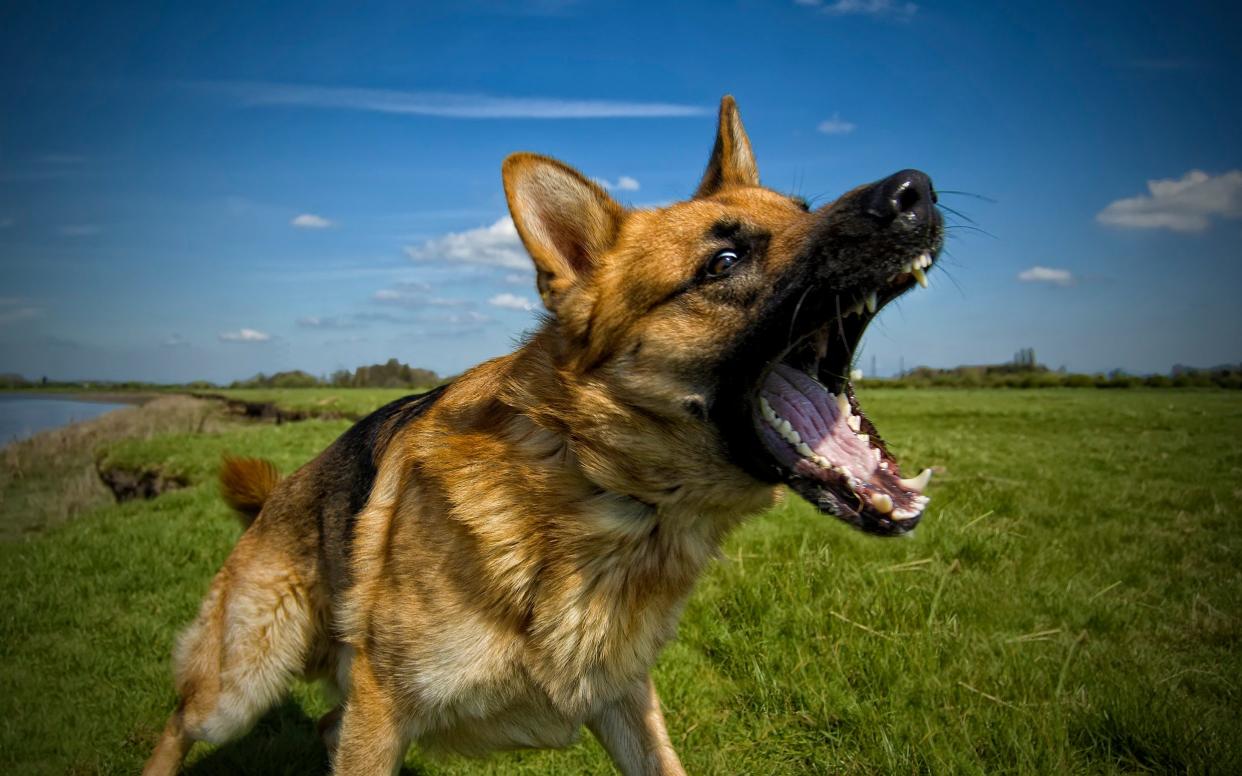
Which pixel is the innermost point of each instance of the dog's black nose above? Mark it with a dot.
(903, 200)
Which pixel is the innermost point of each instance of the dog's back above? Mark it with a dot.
(279, 581)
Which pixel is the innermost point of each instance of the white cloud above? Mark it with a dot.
(1050, 275)
(311, 221)
(175, 341)
(1185, 204)
(863, 7)
(448, 105)
(624, 183)
(497, 245)
(511, 302)
(836, 126)
(244, 335)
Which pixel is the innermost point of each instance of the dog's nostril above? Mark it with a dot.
(906, 197)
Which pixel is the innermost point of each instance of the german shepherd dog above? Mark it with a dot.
(495, 563)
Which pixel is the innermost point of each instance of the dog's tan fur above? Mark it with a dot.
(529, 541)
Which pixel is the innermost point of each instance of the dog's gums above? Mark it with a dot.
(826, 448)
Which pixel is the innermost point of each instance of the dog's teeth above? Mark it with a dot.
(908, 266)
(766, 409)
(854, 422)
(925, 260)
(804, 451)
(871, 302)
(884, 465)
(875, 453)
(904, 514)
(882, 502)
(921, 277)
(865, 438)
(843, 405)
(918, 483)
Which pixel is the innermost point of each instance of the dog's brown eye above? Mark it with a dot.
(721, 263)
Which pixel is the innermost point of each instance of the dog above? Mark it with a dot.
(498, 562)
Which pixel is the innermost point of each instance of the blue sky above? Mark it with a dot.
(212, 190)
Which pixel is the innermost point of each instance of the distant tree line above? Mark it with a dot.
(1025, 372)
(391, 374)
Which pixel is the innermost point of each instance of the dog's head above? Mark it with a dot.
(735, 315)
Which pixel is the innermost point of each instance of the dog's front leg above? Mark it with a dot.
(372, 741)
(632, 729)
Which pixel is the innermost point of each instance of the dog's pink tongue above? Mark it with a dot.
(820, 419)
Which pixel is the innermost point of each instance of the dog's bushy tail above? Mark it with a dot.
(245, 483)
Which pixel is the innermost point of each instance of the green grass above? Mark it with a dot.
(1071, 604)
(337, 402)
(196, 457)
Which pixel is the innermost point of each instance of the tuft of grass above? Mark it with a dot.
(1071, 604)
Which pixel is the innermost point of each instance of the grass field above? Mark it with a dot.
(316, 402)
(1071, 604)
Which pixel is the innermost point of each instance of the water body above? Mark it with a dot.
(25, 416)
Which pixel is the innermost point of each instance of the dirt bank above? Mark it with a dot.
(51, 477)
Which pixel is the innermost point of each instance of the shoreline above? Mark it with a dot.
(133, 398)
(52, 476)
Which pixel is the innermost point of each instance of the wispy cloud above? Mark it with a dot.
(16, 309)
(327, 322)
(891, 8)
(79, 230)
(1185, 204)
(509, 301)
(1050, 275)
(415, 295)
(245, 336)
(836, 126)
(1165, 65)
(447, 104)
(65, 159)
(497, 245)
(624, 183)
(175, 341)
(311, 221)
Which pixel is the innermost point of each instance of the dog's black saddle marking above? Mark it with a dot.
(346, 474)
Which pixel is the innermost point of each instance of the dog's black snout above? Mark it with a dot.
(905, 199)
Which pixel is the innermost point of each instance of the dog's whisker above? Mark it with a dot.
(983, 197)
(957, 213)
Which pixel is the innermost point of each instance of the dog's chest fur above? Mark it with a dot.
(499, 591)
(508, 602)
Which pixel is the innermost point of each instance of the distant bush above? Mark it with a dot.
(294, 379)
(392, 374)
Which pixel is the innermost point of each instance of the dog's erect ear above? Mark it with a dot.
(565, 221)
(732, 162)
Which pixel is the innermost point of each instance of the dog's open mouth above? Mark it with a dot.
(810, 421)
